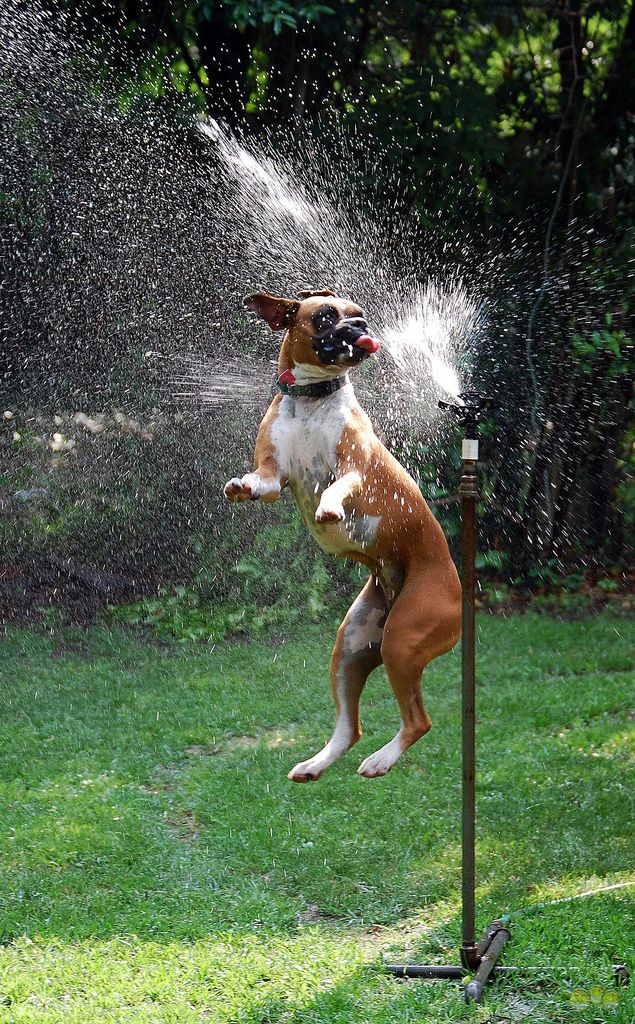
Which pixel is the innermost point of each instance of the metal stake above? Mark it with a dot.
(479, 957)
(468, 489)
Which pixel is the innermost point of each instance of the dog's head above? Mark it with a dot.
(321, 329)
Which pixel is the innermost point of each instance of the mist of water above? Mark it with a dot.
(429, 327)
(434, 336)
(235, 382)
(174, 218)
(135, 227)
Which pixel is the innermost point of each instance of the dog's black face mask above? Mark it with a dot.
(335, 337)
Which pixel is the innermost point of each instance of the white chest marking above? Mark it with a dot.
(306, 434)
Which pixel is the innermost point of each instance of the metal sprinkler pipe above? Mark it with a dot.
(479, 957)
(468, 414)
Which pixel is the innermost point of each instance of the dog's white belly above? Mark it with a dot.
(354, 533)
(306, 436)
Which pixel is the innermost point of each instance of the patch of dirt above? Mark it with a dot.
(313, 915)
(156, 790)
(39, 582)
(187, 825)
(273, 739)
(516, 1009)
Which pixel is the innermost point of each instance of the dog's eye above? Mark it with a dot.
(324, 318)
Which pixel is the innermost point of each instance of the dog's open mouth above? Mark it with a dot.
(349, 342)
(370, 345)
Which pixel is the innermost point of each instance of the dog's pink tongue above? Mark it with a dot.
(367, 343)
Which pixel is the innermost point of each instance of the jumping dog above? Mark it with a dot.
(358, 502)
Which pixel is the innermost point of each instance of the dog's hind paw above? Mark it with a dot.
(305, 772)
(378, 764)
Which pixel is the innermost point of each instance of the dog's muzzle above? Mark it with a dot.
(348, 342)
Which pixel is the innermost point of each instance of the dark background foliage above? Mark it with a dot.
(524, 112)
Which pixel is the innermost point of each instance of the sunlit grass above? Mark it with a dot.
(156, 865)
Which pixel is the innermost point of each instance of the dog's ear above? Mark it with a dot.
(308, 294)
(277, 312)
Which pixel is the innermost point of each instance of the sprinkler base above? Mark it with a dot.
(479, 964)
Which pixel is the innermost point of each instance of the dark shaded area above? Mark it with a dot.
(524, 112)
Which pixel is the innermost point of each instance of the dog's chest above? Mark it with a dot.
(306, 436)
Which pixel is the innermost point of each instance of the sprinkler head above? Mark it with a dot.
(471, 412)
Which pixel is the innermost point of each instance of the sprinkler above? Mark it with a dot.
(478, 959)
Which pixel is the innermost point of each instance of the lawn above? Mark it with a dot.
(157, 866)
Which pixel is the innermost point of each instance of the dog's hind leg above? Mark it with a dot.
(355, 655)
(424, 622)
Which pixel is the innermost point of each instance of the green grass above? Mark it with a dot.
(157, 866)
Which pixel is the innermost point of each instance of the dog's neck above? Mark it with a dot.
(308, 373)
(306, 380)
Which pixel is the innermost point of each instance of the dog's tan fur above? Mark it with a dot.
(409, 611)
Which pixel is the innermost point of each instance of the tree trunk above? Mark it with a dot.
(570, 61)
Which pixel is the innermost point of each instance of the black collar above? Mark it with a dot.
(320, 389)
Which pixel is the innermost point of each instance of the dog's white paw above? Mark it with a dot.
(307, 771)
(379, 763)
(374, 768)
(238, 490)
(252, 485)
(329, 514)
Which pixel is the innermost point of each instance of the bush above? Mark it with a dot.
(129, 507)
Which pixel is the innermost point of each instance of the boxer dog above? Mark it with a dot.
(358, 502)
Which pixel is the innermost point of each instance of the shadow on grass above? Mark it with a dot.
(118, 821)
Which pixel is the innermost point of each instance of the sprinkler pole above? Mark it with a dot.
(477, 958)
(468, 490)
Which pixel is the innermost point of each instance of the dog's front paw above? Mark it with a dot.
(329, 514)
(238, 490)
